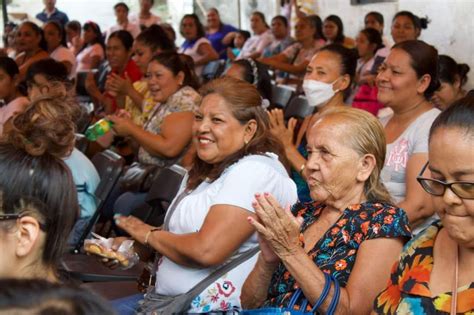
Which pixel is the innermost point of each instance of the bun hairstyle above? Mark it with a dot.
(450, 71)
(424, 60)
(156, 38)
(46, 127)
(418, 23)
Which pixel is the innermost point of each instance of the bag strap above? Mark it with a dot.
(335, 297)
(174, 205)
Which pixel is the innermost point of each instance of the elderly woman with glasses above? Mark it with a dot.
(434, 274)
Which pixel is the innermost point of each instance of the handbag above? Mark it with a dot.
(139, 177)
(290, 310)
(158, 304)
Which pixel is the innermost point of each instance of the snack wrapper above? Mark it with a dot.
(125, 254)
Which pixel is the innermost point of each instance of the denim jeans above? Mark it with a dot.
(127, 305)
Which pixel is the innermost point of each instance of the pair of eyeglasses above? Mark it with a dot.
(462, 189)
(16, 216)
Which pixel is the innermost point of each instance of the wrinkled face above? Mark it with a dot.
(213, 19)
(330, 30)
(403, 29)
(162, 83)
(446, 94)
(235, 71)
(142, 55)
(279, 29)
(121, 14)
(397, 80)
(324, 66)
(27, 39)
(188, 28)
(256, 24)
(117, 54)
(371, 22)
(364, 47)
(7, 85)
(451, 154)
(52, 36)
(303, 30)
(217, 134)
(332, 165)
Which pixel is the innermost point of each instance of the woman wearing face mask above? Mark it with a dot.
(328, 75)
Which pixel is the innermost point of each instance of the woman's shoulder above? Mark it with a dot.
(185, 99)
(258, 163)
(427, 117)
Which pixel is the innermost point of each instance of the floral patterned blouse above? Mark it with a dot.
(408, 289)
(184, 100)
(335, 253)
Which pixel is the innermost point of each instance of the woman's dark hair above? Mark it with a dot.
(374, 37)
(418, 23)
(169, 30)
(282, 19)
(99, 39)
(124, 37)
(245, 34)
(459, 115)
(123, 5)
(74, 25)
(60, 29)
(450, 71)
(317, 24)
(262, 17)
(9, 65)
(245, 103)
(155, 38)
(376, 15)
(340, 28)
(34, 177)
(347, 57)
(42, 44)
(257, 74)
(36, 296)
(51, 69)
(176, 64)
(200, 32)
(424, 60)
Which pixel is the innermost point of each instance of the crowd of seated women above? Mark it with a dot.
(364, 206)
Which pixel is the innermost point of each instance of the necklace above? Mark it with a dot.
(454, 291)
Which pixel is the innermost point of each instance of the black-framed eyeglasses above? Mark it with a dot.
(462, 189)
(16, 216)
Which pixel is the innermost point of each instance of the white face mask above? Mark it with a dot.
(318, 93)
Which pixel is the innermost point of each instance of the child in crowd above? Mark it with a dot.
(240, 38)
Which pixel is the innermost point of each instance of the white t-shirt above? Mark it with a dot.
(236, 186)
(84, 58)
(131, 27)
(152, 19)
(413, 140)
(256, 43)
(193, 53)
(61, 54)
(18, 105)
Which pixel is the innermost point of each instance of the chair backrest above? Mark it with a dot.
(109, 165)
(281, 95)
(212, 70)
(298, 108)
(81, 143)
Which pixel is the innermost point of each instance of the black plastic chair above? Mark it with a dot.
(109, 165)
(212, 70)
(298, 108)
(281, 95)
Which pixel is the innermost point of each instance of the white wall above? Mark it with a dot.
(450, 31)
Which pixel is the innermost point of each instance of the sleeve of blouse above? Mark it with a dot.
(387, 300)
(388, 222)
(247, 178)
(421, 135)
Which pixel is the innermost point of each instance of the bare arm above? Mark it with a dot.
(207, 53)
(417, 203)
(255, 288)
(228, 38)
(222, 233)
(174, 136)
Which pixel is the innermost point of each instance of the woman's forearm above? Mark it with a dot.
(255, 288)
(295, 158)
(155, 144)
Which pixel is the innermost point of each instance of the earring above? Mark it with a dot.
(246, 141)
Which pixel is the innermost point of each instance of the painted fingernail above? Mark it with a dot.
(250, 219)
(257, 195)
(266, 194)
(254, 204)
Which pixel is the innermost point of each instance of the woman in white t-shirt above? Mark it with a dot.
(236, 158)
(261, 38)
(406, 81)
(196, 45)
(92, 52)
(57, 47)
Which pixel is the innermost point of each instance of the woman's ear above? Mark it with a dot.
(366, 166)
(423, 83)
(343, 83)
(180, 78)
(250, 130)
(28, 234)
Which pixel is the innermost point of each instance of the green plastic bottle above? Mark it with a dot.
(98, 129)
